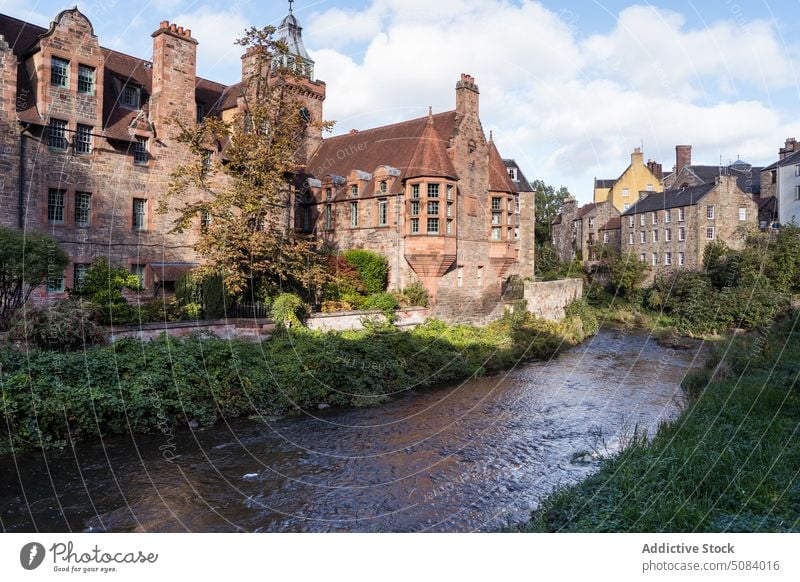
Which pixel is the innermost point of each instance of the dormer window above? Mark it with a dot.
(131, 96)
(354, 190)
(512, 172)
(85, 80)
(383, 187)
(59, 72)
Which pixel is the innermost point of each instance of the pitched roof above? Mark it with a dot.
(521, 183)
(793, 158)
(23, 38)
(747, 177)
(604, 183)
(390, 145)
(430, 158)
(586, 209)
(613, 224)
(499, 180)
(670, 199)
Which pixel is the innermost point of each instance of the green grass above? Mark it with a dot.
(731, 462)
(50, 399)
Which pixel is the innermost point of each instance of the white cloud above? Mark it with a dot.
(568, 107)
(216, 32)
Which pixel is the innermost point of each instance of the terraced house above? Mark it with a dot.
(669, 230)
(87, 153)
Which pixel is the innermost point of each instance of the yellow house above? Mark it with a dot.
(624, 191)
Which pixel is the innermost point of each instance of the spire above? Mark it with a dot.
(290, 6)
(290, 33)
(430, 157)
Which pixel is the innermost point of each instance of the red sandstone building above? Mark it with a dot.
(87, 153)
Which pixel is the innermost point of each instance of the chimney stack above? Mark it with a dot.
(683, 157)
(789, 148)
(174, 75)
(656, 169)
(467, 96)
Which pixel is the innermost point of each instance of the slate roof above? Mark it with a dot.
(747, 177)
(393, 145)
(670, 199)
(793, 158)
(23, 38)
(521, 183)
(604, 183)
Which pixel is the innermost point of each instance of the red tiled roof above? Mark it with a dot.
(390, 145)
(499, 180)
(613, 224)
(430, 158)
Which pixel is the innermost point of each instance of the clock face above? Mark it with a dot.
(305, 114)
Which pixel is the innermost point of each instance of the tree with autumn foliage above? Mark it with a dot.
(243, 198)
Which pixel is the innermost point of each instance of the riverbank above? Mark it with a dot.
(53, 399)
(729, 463)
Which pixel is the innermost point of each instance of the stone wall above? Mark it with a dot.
(258, 330)
(547, 300)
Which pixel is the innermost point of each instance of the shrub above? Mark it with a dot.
(214, 297)
(70, 324)
(159, 310)
(345, 279)
(627, 273)
(289, 310)
(335, 306)
(580, 309)
(103, 286)
(27, 259)
(373, 268)
(188, 290)
(415, 295)
(355, 300)
(386, 302)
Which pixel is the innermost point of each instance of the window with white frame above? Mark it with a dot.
(710, 233)
(415, 226)
(710, 212)
(83, 139)
(497, 233)
(449, 227)
(627, 206)
(668, 259)
(682, 234)
(681, 259)
(460, 276)
(433, 208)
(433, 190)
(57, 134)
(354, 215)
(433, 226)
(328, 217)
(649, 187)
(139, 214)
(641, 220)
(480, 276)
(668, 216)
(83, 209)
(140, 151)
(742, 214)
(642, 237)
(642, 257)
(85, 80)
(131, 96)
(668, 235)
(654, 217)
(655, 236)
(630, 238)
(383, 212)
(655, 259)
(605, 238)
(631, 221)
(449, 191)
(681, 214)
(591, 223)
(383, 187)
(797, 192)
(626, 192)
(415, 209)
(354, 190)
(56, 199)
(59, 72)
(797, 170)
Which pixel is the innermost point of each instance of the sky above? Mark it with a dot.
(569, 88)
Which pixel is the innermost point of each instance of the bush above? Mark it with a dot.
(159, 310)
(373, 268)
(289, 310)
(27, 259)
(627, 273)
(345, 279)
(68, 325)
(386, 302)
(103, 286)
(580, 310)
(415, 295)
(188, 290)
(355, 300)
(215, 300)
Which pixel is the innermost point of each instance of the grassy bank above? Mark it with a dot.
(731, 462)
(49, 399)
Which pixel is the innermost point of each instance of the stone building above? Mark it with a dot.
(579, 232)
(781, 182)
(87, 152)
(637, 177)
(670, 230)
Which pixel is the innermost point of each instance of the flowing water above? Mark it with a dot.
(470, 457)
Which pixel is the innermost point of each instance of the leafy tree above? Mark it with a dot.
(247, 196)
(626, 273)
(27, 259)
(549, 202)
(784, 264)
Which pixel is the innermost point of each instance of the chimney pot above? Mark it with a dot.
(173, 27)
(180, 30)
(188, 33)
(164, 24)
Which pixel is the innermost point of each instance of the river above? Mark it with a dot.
(471, 457)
